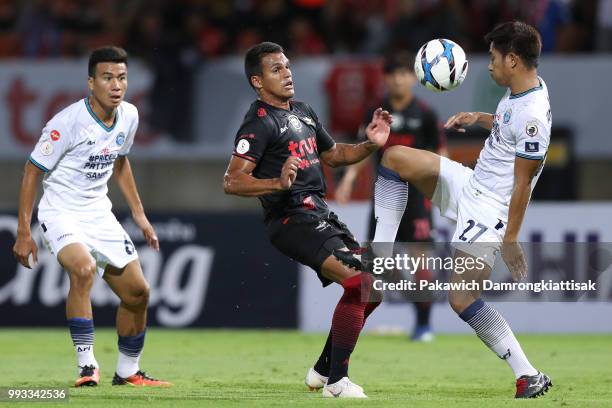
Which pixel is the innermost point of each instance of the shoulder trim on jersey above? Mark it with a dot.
(535, 88)
(37, 164)
(93, 115)
(526, 156)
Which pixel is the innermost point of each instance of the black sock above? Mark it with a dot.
(324, 361)
(339, 369)
(423, 311)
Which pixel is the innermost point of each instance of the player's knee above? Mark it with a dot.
(393, 157)
(82, 274)
(359, 288)
(138, 297)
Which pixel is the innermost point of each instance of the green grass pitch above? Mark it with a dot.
(266, 368)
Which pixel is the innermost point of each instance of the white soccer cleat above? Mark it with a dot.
(314, 381)
(344, 388)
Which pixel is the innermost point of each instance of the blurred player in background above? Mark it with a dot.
(488, 203)
(414, 125)
(78, 151)
(277, 158)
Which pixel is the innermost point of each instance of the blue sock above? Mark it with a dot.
(82, 333)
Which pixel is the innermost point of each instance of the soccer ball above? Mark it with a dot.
(441, 65)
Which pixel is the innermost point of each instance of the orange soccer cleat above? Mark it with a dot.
(89, 377)
(140, 379)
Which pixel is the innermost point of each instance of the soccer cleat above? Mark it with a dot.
(88, 377)
(532, 386)
(140, 379)
(422, 334)
(344, 388)
(314, 381)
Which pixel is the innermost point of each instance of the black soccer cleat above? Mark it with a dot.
(532, 386)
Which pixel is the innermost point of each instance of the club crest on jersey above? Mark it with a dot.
(507, 116)
(243, 146)
(294, 122)
(46, 148)
(55, 135)
(531, 129)
(120, 140)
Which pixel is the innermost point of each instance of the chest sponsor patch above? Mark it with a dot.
(243, 146)
(532, 147)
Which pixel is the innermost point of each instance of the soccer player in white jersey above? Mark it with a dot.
(78, 151)
(488, 203)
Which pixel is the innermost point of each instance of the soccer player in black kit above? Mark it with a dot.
(414, 125)
(278, 154)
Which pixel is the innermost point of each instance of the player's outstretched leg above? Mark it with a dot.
(131, 287)
(494, 331)
(81, 268)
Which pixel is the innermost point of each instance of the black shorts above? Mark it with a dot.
(310, 239)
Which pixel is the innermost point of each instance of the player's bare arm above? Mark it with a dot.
(524, 172)
(377, 132)
(122, 173)
(25, 245)
(238, 179)
(459, 120)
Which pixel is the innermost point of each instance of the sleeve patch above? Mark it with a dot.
(532, 147)
(46, 148)
(243, 146)
(531, 129)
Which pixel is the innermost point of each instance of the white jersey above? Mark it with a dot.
(77, 151)
(521, 128)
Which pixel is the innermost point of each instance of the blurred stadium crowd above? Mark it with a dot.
(193, 30)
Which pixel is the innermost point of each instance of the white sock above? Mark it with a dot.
(390, 199)
(85, 355)
(495, 332)
(127, 366)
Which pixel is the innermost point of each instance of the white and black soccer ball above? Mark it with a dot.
(441, 65)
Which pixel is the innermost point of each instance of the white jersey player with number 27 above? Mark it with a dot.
(77, 152)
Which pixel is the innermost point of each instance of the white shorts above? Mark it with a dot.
(105, 238)
(480, 219)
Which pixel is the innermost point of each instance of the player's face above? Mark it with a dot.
(399, 82)
(276, 79)
(109, 84)
(500, 67)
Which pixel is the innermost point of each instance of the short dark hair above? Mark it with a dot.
(398, 60)
(253, 57)
(109, 53)
(517, 37)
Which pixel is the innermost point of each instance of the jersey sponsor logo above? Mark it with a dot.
(294, 122)
(507, 115)
(532, 128)
(64, 236)
(532, 147)
(55, 135)
(91, 142)
(243, 146)
(261, 112)
(120, 140)
(305, 149)
(46, 148)
(413, 123)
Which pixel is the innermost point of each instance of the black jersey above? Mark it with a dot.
(268, 136)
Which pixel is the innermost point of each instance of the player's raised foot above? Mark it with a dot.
(89, 376)
(314, 381)
(423, 334)
(140, 379)
(344, 388)
(532, 386)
